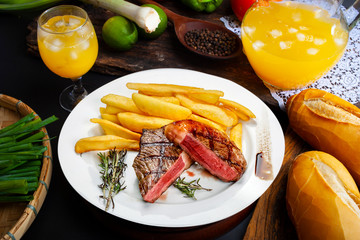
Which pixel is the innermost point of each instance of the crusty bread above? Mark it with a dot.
(322, 198)
(328, 123)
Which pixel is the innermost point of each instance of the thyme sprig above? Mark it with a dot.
(189, 188)
(112, 171)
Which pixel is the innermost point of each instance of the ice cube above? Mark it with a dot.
(54, 44)
(321, 13)
(85, 45)
(42, 34)
(73, 55)
(312, 51)
(292, 30)
(275, 33)
(309, 38)
(57, 42)
(60, 23)
(51, 47)
(339, 41)
(249, 30)
(74, 22)
(258, 45)
(84, 30)
(317, 13)
(304, 28)
(300, 36)
(319, 41)
(296, 17)
(285, 44)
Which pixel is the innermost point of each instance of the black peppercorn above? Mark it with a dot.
(216, 42)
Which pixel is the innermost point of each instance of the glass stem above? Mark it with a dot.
(78, 92)
(78, 86)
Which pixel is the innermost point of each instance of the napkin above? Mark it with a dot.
(342, 80)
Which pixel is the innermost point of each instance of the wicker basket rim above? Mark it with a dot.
(33, 207)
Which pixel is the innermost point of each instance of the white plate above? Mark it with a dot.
(172, 209)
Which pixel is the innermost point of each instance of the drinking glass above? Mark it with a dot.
(68, 46)
(291, 44)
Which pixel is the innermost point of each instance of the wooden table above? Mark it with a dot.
(65, 215)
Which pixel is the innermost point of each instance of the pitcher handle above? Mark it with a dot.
(352, 10)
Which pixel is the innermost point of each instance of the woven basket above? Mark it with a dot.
(16, 218)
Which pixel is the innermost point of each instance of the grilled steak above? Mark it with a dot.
(209, 147)
(158, 164)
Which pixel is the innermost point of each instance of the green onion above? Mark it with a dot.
(19, 186)
(21, 154)
(16, 198)
(7, 139)
(10, 167)
(20, 5)
(14, 147)
(27, 118)
(34, 137)
(146, 18)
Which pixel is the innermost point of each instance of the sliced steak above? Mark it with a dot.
(158, 164)
(210, 147)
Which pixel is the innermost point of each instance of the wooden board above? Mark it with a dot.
(270, 220)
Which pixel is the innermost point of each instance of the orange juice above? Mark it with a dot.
(290, 44)
(68, 45)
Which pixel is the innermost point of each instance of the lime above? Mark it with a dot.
(120, 33)
(161, 27)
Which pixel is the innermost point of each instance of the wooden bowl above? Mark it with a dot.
(16, 218)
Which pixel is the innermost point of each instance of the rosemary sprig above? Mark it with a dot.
(189, 188)
(112, 171)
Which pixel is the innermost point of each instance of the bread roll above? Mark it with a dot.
(328, 123)
(322, 198)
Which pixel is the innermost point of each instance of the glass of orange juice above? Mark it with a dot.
(291, 44)
(68, 46)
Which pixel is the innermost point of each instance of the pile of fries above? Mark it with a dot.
(155, 105)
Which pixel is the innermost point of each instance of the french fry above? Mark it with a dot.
(136, 122)
(122, 102)
(206, 97)
(236, 135)
(231, 114)
(155, 89)
(158, 87)
(241, 115)
(158, 108)
(171, 99)
(109, 109)
(207, 121)
(208, 111)
(156, 94)
(111, 128)
(102, 110)
(238, 107)
(111, 117)
(105, 142)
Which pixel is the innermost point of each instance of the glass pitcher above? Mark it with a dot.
(291, 44)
